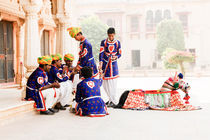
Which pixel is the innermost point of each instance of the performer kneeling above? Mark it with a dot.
(88, 96)
(167, 98)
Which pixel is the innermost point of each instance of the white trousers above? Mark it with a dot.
(65, 95)
(49, 95)
(110, 87)
(76, 81)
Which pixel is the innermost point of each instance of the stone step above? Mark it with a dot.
(11, 105)
(9, 114)
(9, 86)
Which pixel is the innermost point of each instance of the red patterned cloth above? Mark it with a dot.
(136, 100)
(177, 104)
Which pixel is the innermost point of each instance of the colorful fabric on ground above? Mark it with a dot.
(177, 104)
(73, 31)
(135, 100)
(69, 57)
(86, 57)
(44, 60)
(88, 98)
(154, 98)
(169, 84)
(36, 81)
(107, 51)
(56, 57)
(158, 101)
(54, 75)
(175, 83)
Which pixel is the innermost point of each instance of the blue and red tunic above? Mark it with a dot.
(88, 98)
(109, 49)
(36, 81)
(68, 72)
(86, 57)
(55, 75)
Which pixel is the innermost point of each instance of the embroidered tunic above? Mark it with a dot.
(107, 51)
(88, 98)
(55, 75)
(36, 81)
(86, 56)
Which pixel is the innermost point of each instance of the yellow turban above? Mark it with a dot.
(45, 60)
(69, 57)
(56, 56)
(73, 31)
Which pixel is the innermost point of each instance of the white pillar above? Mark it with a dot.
(32, 41)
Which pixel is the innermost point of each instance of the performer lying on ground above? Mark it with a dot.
(88, 96)
(39, 90)
(167, 98)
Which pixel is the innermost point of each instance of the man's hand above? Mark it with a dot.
(100, 66)
(77, 68)
(56, 85)
(101, 74)
(65, 68)
(71, 68)
(114, 58)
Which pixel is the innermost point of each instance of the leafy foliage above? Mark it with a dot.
(95, 31)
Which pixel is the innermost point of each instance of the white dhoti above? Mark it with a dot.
(65, 92)
(76, 81)
(49, 96)
(110, 87)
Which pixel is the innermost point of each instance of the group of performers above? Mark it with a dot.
(55, 86)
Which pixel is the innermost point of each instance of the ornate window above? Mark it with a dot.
(110, 23)
(134, 24)
(158, 16)
(149, 21)
(184, 20)
(167, 14)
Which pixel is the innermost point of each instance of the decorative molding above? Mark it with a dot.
(12, 8)
(45, 15)
(32, 7)
(67, 8)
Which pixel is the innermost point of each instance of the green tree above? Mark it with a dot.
(95, 31)
(174, 58)
(170, 35)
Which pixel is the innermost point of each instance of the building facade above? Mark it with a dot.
(136, 23)
(29, 29)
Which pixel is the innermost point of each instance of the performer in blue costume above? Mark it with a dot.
(110, 52)
(85, 55)
(74, 76)
(63, 79)
(39, 90)
(88, 97)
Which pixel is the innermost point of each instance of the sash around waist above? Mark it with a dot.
(92, 97)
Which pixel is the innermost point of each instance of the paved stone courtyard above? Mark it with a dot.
(121, 124)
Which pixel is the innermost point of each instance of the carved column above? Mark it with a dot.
(63, 15)
(32, 41)
(20, 52)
